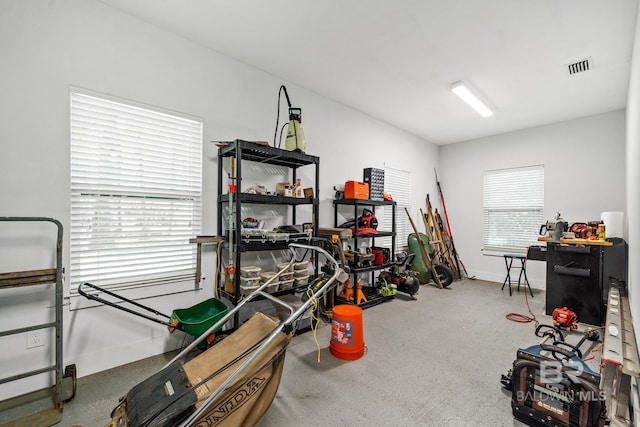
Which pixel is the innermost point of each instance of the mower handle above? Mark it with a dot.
(120, 307)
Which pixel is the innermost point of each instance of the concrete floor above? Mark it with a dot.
(436, 361)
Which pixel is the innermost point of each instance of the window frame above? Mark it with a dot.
(503, 206)
(171, 199)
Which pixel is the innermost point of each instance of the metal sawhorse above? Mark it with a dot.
(508, 260)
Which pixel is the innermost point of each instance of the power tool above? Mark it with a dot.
(367, 223)
(401, 276)
(565, 318)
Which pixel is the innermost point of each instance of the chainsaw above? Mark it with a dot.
(367, 223)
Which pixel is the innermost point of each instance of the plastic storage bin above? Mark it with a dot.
(267, 275)
(302, 265)
(286, 284)
(249, 281)
(283, 265)
(273, 287)
(250, 271)
(248, 289)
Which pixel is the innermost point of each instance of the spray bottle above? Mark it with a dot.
(299, 191)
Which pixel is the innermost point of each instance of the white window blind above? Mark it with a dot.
(397, 182)
(136, 179)
(513, 208)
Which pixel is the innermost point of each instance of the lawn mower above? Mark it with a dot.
(231, 383)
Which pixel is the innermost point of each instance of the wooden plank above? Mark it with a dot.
(343, 233)
(585, 242)
(435, 252)
(27, 278)
(443, 250)
(443, 236)
(206, 239)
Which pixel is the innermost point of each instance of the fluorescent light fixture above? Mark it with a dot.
(466, 94)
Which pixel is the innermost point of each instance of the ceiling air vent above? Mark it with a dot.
(580, 66)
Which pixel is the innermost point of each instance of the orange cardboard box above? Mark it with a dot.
(356, 190)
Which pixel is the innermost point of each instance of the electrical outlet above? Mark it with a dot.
(34, 339)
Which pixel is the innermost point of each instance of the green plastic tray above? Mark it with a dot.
(197, 319)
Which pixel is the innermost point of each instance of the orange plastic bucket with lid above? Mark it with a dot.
(347, 335)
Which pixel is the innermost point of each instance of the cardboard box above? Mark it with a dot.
(308, 193)
(356, 190)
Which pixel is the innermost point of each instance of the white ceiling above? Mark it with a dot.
(395, 60)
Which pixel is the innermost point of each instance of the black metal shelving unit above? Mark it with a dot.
(356, 204)
(253, 152)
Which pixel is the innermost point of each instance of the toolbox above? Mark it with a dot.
(375, 178)
(552, 385)
(356, 190)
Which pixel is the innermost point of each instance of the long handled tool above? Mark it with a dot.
(435, 243)
(440, 253)
(430, 231)
(440, 238)
(446, 216)
(423, 251)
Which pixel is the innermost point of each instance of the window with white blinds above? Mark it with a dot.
(397, 182)
(136, 177)
(513, 208)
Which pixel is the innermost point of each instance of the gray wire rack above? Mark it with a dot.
(51, 415)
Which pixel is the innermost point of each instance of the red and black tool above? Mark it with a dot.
(367, 223)
(565, 318)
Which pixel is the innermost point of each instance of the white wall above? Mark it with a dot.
(584, 163)
(48, 46)
(633, 178)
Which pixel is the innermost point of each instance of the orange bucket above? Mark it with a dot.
(347, 337)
